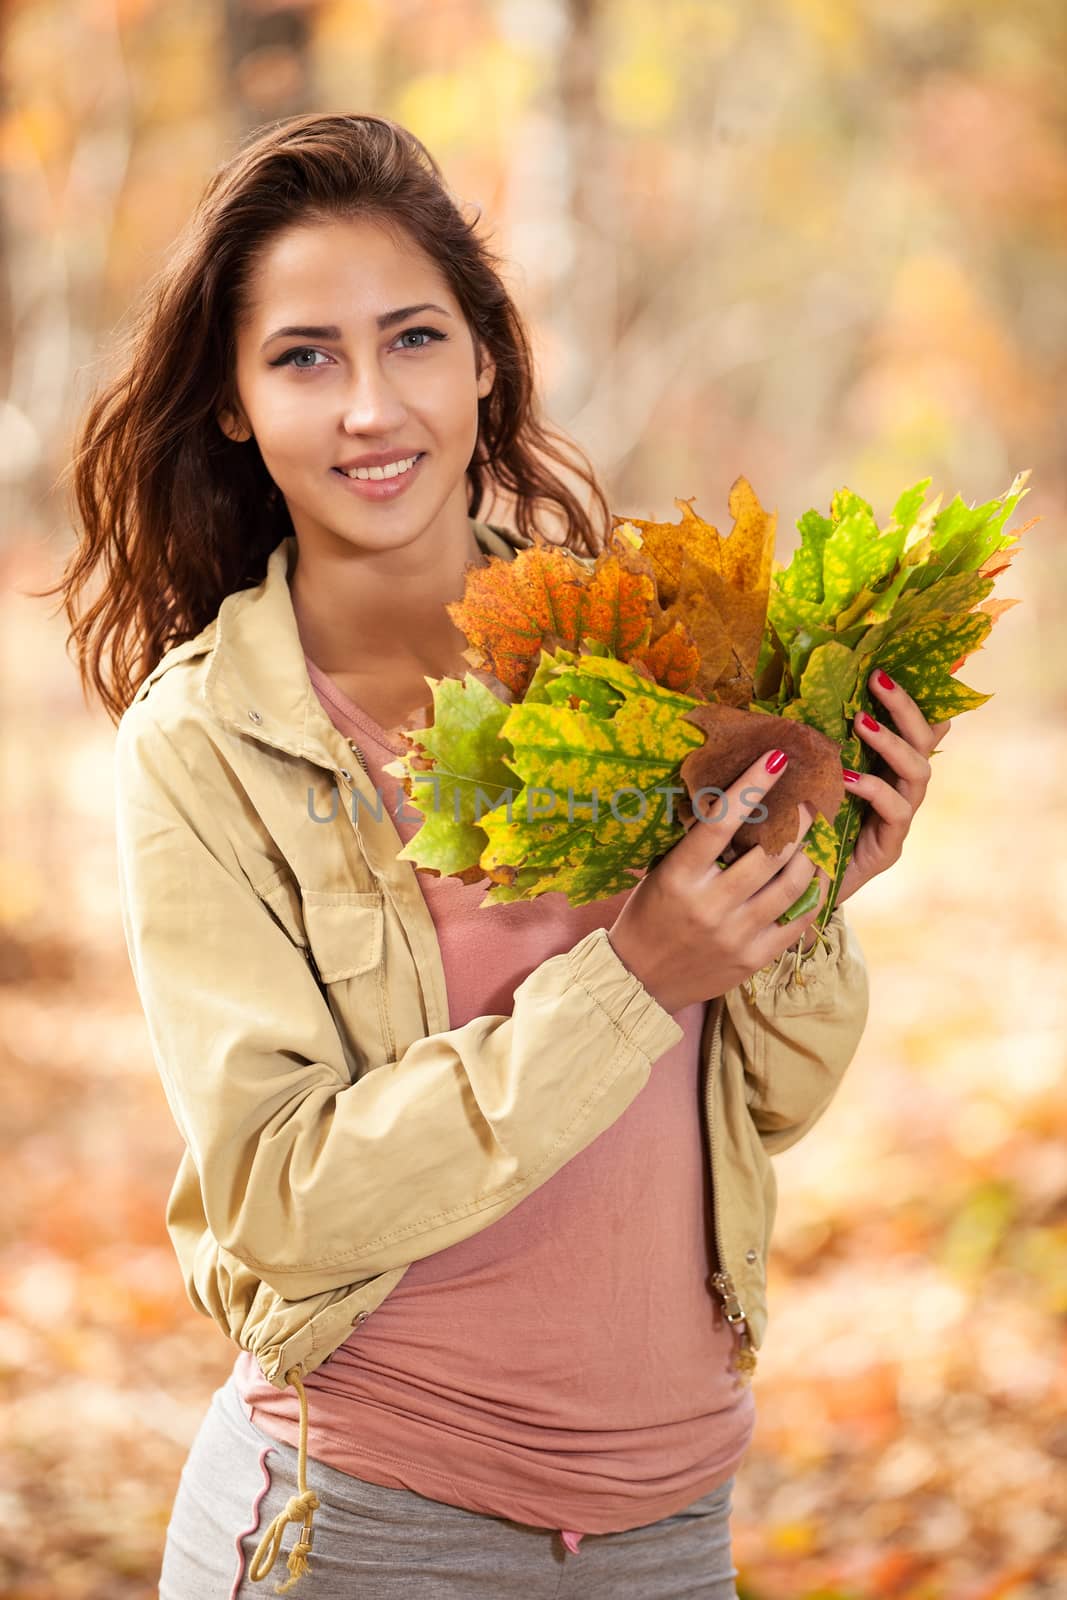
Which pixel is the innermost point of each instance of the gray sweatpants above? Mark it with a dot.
(374, 1543)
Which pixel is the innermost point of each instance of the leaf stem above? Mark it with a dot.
(839, 871)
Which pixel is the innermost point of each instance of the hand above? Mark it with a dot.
(892, 806)
(691, 929)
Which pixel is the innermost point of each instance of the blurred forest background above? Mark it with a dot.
(817, 242)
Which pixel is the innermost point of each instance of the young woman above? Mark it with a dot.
(482, 1194)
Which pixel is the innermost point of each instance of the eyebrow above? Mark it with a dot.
(332, 331)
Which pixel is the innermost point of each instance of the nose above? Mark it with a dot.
(372, 404)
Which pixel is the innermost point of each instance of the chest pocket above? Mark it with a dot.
(346, 941)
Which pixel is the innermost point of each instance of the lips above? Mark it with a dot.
(383, 489)
(418, 455)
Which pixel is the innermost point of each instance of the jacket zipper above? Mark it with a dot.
(733, 1310)
(360, 757)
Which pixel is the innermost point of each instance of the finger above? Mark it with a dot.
(718, 814)
(780, 892)
(755, 868)
(907, 718)
(730, 853)
(771, 940)
(911, 765)
(890, 803)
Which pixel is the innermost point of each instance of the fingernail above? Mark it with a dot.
(848, 775)
(868, 722)
(883, 680)
(776, 761)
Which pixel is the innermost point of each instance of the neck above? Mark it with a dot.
(359, 610)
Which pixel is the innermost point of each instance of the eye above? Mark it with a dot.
(431, 333)
(287, 360)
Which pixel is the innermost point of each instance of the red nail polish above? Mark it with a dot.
(776, 761)
(883, 680)
(868, 722)
(848, 774)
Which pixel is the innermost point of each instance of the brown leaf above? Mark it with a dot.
(734, 739)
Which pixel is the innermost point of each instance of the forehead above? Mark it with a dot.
(341, 270)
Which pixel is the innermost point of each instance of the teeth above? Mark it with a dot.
(393, 470)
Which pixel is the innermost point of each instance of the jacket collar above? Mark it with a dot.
(257, 683)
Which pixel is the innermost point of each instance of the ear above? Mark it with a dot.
(486, 373)
(234, 426)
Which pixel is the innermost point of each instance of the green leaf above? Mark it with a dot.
(469, 774)
(907, 507)
(827, 690)
(619, 750)
(802, 578)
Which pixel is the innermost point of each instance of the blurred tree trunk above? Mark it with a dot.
(267, 61)
(589, 198)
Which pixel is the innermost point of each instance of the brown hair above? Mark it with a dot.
(177, 514)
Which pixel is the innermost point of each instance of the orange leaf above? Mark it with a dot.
(672, 658)
(717, 588)
(676, 601)
(511, 608)
(1001, 559)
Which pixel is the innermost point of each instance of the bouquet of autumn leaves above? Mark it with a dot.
(608, 691)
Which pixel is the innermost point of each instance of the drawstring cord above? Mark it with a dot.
(822, 940)
(302, 1506)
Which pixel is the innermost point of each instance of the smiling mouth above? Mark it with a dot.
(380, 474)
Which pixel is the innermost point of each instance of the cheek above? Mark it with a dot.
(289, 423)
(450, 391)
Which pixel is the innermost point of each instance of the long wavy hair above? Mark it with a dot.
(177, 515)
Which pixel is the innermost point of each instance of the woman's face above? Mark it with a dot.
(315, 400)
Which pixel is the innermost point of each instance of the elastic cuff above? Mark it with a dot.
(814, 973)
(637, 1014)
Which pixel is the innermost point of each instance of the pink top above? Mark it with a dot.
(569, 1364)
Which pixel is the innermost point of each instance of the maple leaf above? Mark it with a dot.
(676, 600)
(547, 597)
(734, 740)
(715, 587)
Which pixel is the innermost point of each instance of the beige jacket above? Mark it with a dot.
(336, 1128)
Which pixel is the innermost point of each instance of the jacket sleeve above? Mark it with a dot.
(795, 1040)
(310, 1179)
